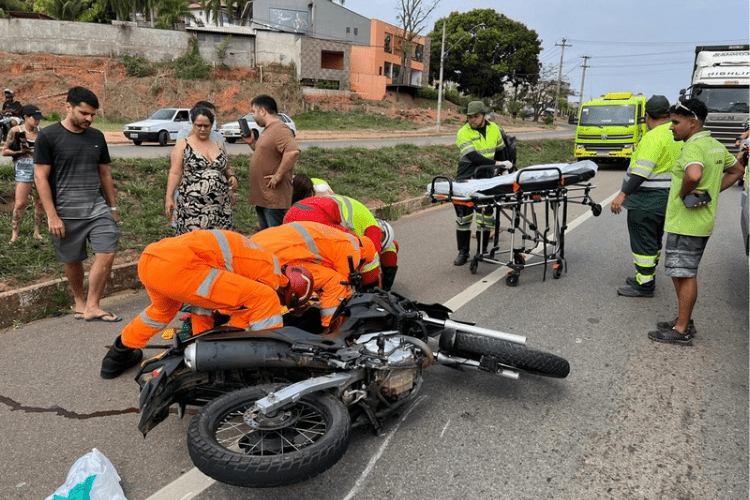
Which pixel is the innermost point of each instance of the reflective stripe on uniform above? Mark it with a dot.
(309, 241)
(202, 311)
(346, 210)
(226, 252)
(205, 287)
(152, 322)
(644, 260)
(267, 323)
(328, 311)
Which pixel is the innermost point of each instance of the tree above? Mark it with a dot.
(541, 95)
(171, 12)
(483, 60)
(213, 8)
(411, 18)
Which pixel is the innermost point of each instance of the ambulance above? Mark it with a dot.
(610, 127)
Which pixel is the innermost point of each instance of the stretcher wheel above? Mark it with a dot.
(511, 280)
(557, 269)
(596, 209)
(473, 266)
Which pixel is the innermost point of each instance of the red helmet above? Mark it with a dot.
(300, 286)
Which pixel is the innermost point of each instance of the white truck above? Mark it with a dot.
(721, 74)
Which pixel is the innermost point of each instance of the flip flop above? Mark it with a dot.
(107, 317)
(78, 315)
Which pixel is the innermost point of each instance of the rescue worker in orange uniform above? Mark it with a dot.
(351, 215)
(324, 251)
(208, 269)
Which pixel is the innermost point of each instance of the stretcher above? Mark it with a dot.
(531, 205)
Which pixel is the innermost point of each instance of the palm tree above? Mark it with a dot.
(171, 12)
(213, 7)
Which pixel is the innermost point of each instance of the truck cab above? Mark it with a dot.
(721, 74)
(610, 127)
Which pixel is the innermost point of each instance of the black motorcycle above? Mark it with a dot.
(277, 407)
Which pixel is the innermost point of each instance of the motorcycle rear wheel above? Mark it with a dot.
(312, 438)
(509, 353)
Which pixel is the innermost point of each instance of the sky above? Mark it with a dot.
(646, 46)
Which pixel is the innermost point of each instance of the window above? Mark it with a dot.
(347, 30)
(388, 69)
(418, 50)
(355, 31)
(387, 43)
(331, 60)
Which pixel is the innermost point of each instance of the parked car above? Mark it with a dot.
(162, 127)
(573, 118)
(231, 130)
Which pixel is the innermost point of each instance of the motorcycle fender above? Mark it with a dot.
(155, 400)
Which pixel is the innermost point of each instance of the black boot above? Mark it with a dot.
(119, 358)
(389, 276)
(464, 239)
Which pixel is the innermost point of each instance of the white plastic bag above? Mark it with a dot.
(92, 477)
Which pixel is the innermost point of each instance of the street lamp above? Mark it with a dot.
(442, 60)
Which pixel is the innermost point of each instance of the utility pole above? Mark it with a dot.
(583, 77)
(559, 74)
(440, 84)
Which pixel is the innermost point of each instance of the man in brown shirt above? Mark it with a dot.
(272, 164)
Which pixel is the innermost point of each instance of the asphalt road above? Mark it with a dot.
(634, 420)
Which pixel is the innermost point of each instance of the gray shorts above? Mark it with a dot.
(102, 233)
(682, 254)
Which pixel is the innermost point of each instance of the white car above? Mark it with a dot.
(162, 127)
(231, 130)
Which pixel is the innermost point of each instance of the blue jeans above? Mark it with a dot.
(270, 217)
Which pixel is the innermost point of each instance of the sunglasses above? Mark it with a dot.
(679, 105)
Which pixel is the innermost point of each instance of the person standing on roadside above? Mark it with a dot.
(20, 146)
(481, 144)
(275, 153)
(10, 105)
(703, 169)
(644, 194)
(74, 182)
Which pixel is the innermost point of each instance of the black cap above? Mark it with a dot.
(31, 110)
(657, 106)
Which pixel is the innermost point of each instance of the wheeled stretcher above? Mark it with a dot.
(531, 205)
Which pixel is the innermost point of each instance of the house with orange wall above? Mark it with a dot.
(376, 67)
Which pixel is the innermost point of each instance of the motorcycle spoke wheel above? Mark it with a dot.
(231, 444)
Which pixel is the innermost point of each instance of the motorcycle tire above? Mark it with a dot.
(223, 446)
(509, 354)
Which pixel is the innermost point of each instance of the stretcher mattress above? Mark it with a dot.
(530, 179)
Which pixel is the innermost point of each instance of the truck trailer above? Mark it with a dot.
(610, 127)
(721, 74)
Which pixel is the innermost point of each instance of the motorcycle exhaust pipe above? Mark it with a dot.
(237, 354)
(457, 362)
(477, 330)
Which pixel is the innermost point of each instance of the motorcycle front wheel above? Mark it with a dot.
(507, 353)
(231, 444)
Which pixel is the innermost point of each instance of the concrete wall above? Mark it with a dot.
(311, 61)
(90, 39)
(275, 47)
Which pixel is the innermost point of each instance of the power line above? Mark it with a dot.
(631, 43)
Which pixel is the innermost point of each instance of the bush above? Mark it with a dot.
(428, 93)
(190, 66)
(136, 66)
(549, 119)
(54, 116)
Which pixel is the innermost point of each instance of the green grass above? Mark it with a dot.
(373, 176)
(336, 120)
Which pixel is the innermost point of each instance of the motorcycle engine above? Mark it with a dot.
(398, 378)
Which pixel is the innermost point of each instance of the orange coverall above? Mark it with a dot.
(208, 269)
(324, 251)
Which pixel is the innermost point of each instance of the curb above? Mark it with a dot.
(44, 299)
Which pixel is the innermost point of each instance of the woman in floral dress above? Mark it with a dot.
(201, 177)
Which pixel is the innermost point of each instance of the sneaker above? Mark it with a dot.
(629, 291)
(668, 325)
(671, 336)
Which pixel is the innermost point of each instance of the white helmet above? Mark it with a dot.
(386, 230)
(8, 92)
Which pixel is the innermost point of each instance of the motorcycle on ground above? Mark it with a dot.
(277, 407)
(7, 121)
